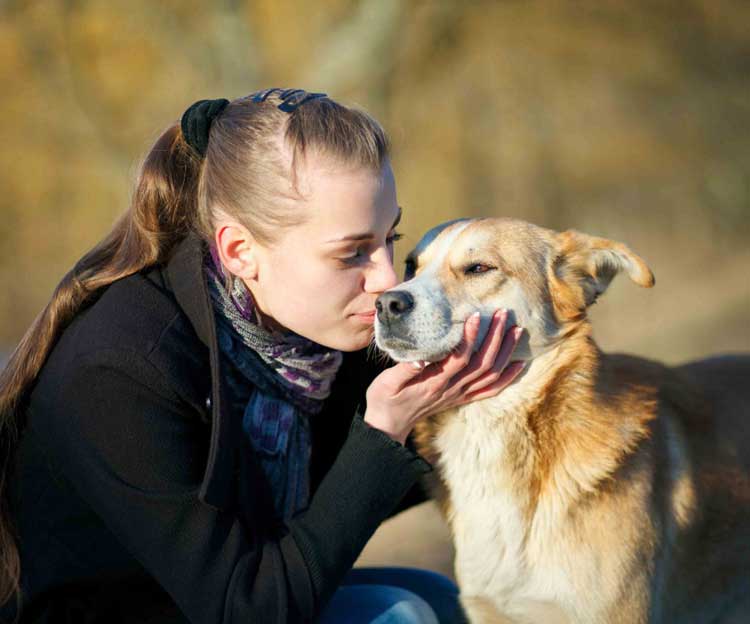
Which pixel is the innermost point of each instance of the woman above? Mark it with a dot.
(196, 432)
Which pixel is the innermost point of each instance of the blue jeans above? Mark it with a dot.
(393, 596)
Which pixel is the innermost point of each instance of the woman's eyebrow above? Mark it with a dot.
(364, 235)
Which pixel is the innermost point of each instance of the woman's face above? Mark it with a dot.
(320, 279)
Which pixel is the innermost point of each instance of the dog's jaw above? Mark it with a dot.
(424, 338)
(418, 349)
(428, 349)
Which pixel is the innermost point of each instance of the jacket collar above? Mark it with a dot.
(188, 283)
(186, 278)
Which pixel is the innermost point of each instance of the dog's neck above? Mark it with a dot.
(551, 431)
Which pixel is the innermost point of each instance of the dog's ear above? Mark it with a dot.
(584, 266)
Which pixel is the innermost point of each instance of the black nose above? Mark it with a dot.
(394, 305)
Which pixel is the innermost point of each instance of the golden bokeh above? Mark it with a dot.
(625, 120)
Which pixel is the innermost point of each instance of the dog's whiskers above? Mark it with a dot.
(374, 353)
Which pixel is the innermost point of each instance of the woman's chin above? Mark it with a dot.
(347, 341)
(356, 341)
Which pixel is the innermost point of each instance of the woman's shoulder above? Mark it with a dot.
(121, 399)
(135, 327)
(136, 312)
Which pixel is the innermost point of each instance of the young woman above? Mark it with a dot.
(191, 428)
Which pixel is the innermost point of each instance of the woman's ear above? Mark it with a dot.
(237, 249)
(585, 265)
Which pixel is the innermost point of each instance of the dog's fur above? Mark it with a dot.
(596, 488)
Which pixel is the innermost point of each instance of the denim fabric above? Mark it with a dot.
(394, 596)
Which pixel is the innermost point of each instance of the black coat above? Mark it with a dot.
(137, 497)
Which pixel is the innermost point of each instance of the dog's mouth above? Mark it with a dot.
(410, 349)
(412, 326)
(395, 343)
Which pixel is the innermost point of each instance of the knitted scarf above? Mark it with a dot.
(290, 377)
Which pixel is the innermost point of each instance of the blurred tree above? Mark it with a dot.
(623, 119)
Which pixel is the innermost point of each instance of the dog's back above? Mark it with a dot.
(725, 382)
(712, 562)
(700, 460)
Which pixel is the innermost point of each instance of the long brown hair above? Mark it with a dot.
(246, 173)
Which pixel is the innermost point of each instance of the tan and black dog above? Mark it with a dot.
(596, 488)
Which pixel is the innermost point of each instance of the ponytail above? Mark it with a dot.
(160, 214)
(244, 172)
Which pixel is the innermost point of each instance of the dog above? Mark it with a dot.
(596, 488)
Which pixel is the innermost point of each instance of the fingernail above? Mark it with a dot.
(517, 332)
(474, 318)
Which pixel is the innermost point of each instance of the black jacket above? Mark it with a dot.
(137, 497)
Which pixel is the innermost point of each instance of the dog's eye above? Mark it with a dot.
(409, 269)
(474, 269)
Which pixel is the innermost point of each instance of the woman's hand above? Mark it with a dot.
(401, 395)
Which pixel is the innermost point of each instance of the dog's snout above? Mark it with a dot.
(394, 305)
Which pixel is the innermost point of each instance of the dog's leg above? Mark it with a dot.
(480, 610)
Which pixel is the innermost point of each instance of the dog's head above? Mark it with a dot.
(546, 280)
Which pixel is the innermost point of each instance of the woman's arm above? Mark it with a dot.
(135, 452)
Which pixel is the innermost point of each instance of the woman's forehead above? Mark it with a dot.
(341, 202)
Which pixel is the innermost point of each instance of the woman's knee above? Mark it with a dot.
(377, 604)
(437, 590)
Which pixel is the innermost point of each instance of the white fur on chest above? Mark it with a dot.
(496, 546)
(486, 520)
(516, 552)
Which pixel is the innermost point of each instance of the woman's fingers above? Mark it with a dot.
(405, 392)
(398, 376)
(438, 375)
(510, 340)
(494, 388)
(460, 358)
(434, 378)
(485, 357)
(464, 371)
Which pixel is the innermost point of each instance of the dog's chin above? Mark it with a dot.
(400, 351)
(415, 355)
(411, 348)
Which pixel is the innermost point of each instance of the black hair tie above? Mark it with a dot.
(196, 122)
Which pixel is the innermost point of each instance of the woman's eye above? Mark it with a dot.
(353, 257)
(396, 236)
(475, 269)
(362, 252)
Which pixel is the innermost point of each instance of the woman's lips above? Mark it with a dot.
(366, 317)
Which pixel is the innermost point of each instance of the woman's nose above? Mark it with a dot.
(381, 275)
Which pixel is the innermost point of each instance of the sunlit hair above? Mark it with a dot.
(249, 173)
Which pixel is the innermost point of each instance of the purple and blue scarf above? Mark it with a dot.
(290, 376)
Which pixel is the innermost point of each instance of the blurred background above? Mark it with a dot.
(628, 120)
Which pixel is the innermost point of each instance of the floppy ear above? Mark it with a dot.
(585, 265)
